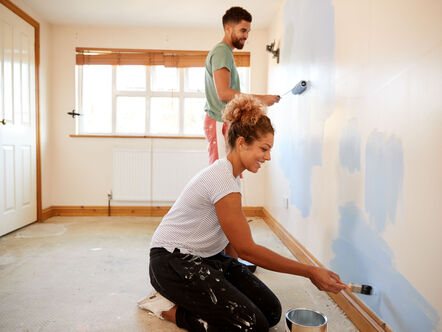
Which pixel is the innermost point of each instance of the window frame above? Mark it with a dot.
(181, 94)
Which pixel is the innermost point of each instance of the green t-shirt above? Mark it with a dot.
(220, 56)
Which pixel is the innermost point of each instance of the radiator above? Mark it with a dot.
(131, 175)
(159, 175)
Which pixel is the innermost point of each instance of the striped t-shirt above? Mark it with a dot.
(192, 225)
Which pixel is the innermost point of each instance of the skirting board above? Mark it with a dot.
(142, 211)
(361, 316)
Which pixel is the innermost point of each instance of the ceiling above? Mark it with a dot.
(158, 13)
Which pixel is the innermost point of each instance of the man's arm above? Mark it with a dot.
(221, 78)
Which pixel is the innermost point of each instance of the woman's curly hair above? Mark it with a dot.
(247, 117)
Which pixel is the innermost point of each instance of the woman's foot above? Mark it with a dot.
(170, 314)
(156, 304)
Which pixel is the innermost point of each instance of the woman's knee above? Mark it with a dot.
(259, 323)
(274, 315)
(257, 320)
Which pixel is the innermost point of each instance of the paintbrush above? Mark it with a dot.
(361, 289)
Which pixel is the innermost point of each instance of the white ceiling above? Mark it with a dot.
(159, 13)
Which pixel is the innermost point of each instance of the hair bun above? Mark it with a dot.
(244, 108)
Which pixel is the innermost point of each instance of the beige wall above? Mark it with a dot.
(376, 192)
(79, 162)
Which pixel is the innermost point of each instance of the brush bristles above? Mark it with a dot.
(361, 289)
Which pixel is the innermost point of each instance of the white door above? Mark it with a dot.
(18, 196)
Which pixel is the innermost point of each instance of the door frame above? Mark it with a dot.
(19, 12)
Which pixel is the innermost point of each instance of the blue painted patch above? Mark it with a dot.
(363, 257)
(350, 148)
(299, 155)
(307, 54)
(384, 173)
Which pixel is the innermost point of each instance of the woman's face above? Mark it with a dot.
(255, 154)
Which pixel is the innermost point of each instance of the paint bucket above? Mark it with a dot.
(305, 320)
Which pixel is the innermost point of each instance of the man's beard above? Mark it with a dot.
(237, 44)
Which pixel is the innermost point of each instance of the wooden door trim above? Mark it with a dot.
(20, 13)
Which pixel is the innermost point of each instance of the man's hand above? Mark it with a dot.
(269, 100)
(326, 280)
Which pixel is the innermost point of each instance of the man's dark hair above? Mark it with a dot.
(236, 15)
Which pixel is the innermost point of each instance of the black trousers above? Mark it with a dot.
(217, 290)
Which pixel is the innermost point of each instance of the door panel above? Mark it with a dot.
(18, 195)
(9, 178)
(7, 82)
(26, 155)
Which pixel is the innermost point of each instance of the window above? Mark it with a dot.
(146, 100)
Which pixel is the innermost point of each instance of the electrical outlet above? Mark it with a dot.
(109, 194)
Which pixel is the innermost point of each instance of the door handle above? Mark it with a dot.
(3, 122)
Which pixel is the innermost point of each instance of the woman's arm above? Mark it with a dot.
(230, 250)
(237, 230)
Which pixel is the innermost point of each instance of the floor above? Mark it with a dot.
(87, 274)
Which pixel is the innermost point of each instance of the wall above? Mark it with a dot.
(44, 78)
(78, 162)
(359, 154)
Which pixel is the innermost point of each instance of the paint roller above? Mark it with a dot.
(299, 88)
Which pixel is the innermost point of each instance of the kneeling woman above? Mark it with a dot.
(188, 261)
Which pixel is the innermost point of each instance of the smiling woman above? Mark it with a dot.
(250, 131)
(194, 251)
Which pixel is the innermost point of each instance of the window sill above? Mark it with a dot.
(137, 136)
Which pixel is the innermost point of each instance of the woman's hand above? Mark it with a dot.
(326, 280)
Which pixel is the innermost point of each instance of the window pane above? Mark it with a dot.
(96, 108)
(194, 79)
(131, 78)
(164, 115)
(244, 78)
(164, 79)
(130, 115)
(194, 116)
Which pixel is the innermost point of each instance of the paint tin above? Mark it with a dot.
(305, 320)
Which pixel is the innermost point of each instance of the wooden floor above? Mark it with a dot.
(87, 274)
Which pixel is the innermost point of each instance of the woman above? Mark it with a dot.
(193, 251)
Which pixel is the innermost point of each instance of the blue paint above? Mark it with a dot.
(299, 155)
(350, 148)
(384, 173)
(362, 256)
(307, 53)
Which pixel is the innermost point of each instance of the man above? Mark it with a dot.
(222, 83)
(222, 80)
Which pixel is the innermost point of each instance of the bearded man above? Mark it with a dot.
(222, 80)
